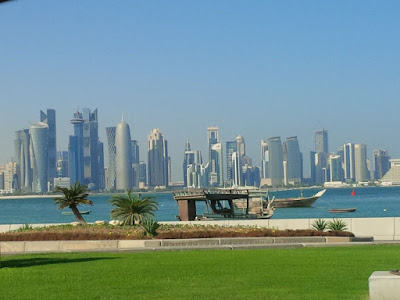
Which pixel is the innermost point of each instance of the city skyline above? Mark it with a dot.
(258, 70)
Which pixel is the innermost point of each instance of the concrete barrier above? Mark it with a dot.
(383, 285)
(165, 244)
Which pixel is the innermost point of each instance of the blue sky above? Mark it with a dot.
(255, 68)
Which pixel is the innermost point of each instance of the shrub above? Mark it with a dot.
(319, 225)
(149, 226)
(337, 224)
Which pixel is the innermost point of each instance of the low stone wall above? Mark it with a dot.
(382, 229)
(166, 244)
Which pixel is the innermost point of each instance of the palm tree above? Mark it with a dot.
(131, 208)
(71, 197)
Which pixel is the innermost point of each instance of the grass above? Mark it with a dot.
(304, 273)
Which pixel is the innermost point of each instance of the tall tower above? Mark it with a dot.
(264, 159)
(39, 139)
(321, 141)
(294, 161)
(231, 148)
(23, 158)
(188, 159)
(75, 149)
(216, 163)
(91, 147)
(157, 159)
(111, 171)
(212, 139)
(360, 164)
(241, 147)
(381, 163)
(50, 119)
(349, 162)
(275, 161)
(123, 158)
(135, 163)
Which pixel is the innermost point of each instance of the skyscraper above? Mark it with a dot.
(212, 139)
(348, 162)
(135, 163)
(188, 158)
(75, 149)
(231, 147)
(39, 139)
(91, 147)
(264, 159)
(23, 159)
(335, 168)
(294, 162)
(275, 161)
(381, 163)
(111, 172)
(216, 164)
(360, 157)
(62, 164)
(321, 141)
(50, 119)
(157, 159)
(123, 157)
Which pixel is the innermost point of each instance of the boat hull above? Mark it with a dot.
(342, 210)
(295, 202)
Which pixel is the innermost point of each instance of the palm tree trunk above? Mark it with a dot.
(77, 214)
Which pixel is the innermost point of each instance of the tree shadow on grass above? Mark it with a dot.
(41, 261)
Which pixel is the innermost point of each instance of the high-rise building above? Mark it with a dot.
(360, 163)
(321, 141)
(294, 161)
(187, 160)
(123, 157)
(23, 159)
(275, 161)
(212, 139)
(142, 173)
(62, 164)
(231, 147)
(241, 146)
(50, 119)
(39, 139)
(381, 163)
(75, 149)
(157, 159)
(111, 170)
(135, 163)
(91, 148)
(336, 170)
(349, 162)
(193, 169)
(216, 165)
(101, 170)
(264, 159)
(312, 167)
(237, 169)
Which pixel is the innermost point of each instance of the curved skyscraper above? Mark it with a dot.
(123, 157)
(39, 141)
(75, 149)
(22, 157)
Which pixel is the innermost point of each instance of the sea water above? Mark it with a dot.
(369, 202)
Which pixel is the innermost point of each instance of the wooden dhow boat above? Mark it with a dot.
(220, 204)
(299, 201)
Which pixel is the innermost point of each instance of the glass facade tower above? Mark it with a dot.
(39, 140)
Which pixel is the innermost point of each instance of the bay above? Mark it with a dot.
(369, 201)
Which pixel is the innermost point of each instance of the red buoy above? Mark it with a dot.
(353, 193)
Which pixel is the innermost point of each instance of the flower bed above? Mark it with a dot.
(109, 232)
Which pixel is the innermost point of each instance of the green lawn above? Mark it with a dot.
(304, 273)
